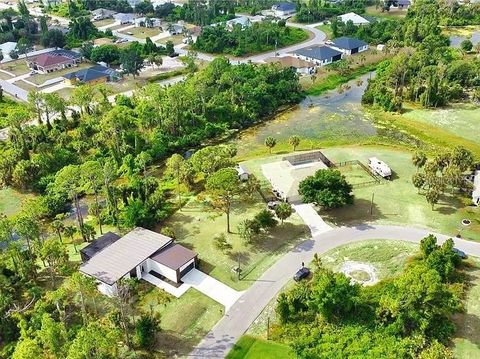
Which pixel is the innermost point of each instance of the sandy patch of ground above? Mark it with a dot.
(362, 273)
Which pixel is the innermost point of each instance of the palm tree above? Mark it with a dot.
(59, 227)
(70, 232)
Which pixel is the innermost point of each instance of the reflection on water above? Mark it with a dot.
(455, 41)
(329, 116)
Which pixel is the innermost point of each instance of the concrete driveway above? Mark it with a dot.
(212, 288)
(310, 216)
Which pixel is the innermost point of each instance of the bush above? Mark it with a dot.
(145, 330)
(265, 219)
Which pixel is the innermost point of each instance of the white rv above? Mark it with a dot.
(379, 167)
(476, 188)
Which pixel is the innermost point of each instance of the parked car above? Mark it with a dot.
(460, 253)
(173, 54)
(301, 274)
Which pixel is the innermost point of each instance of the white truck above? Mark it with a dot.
(379, 167)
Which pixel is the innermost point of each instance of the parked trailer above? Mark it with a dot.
(379, 167)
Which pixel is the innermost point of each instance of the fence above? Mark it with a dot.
(308, 157)
(376, 179)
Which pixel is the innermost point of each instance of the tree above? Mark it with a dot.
(210, 159)
(27, 348)
(92, 179)
(432, 196)
(94, 341)
(270, 143)
(294, 141)
(265, 219)
(283, 211)
(131, 62)
(69, 233)
(327, 188)
(419, 159)
(53, 336)
(222, 186)
(466, 45)
(169, 48)
(220, 242)
(248, 229)
(418, 180)
(146, 329)
(176, 168)
(55, 254)
(105, 53)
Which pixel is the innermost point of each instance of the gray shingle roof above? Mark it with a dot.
(348, 43)
(112, 263)
(91, 73)
(318, 52)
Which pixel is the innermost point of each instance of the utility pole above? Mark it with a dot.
(371, 203)
(268, 328)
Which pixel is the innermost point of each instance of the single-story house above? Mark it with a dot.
(100, 14)
(149, 22)
(136, 254)
(176, 29)
(99, 244)
(284, 9)
(6, 48)
(243, 21)
(301, 66)
(348, 45)
(355, 18)
(476, 188)
(92, 75)
(285, 175)
(124, 18)
(319, 55)
(54, 60)
(402, 4)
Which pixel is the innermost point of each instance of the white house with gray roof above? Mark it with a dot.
(348, 45)
(319, 55)
(138, 254)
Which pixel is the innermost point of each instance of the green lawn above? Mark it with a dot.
(39, 79)
(195, 226)
(388, 257)
(17, 67)
(467, 339)
(184, 320)
(377, 12)
(142, 32)
(254, 348)
(103, 22)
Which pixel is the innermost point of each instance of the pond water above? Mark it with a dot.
(455, 40)
(331, 116)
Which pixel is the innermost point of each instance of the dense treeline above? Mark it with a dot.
(377, 32)
(24, 27)
(259, 37)
(427, 70)
(157, 122)
(318, 10)
(407, 316)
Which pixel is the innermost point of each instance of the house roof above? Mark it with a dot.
(290, 61)
(174, 256)
(113, 262)
(99, 244)
(6, 48)
(355, 18)
(476, 185)
(103, 12)
(91, 73)
(318, 52)
(49, 60)
(241, 20)
(348, 43)
(284, 6)
(124, 17)
(404, 2)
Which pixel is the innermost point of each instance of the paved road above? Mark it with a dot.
(223, 336)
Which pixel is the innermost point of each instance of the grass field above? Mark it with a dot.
(396, 201)
(377, 12)
(184, 320)
(17, 67)
(356, 174)
(467, 339)
(11, 201)
(249, 347)
(176, 39)
(103, 22)
(195, 226)
(142, 32)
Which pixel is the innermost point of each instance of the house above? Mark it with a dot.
(285, 175)
(402, 4)
(92, 75)
(348, 45)
(99, 244)
(476, 188)
(242, 21)
(124, 18)
(6, 48)
(301, 66)
(149, 22)
(356, 19)
(242, 173)
(139, 253)
(284, 9)
(100, 14)
(319, 55)
(176, 29)
(54, 60)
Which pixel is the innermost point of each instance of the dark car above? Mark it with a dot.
(460, 253)
(301, 274)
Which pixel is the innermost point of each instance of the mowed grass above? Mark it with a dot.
(393, 13)
(249, 347)
(11, 201)
(461, 120)
(396, 202)
(196, 226)
(467, 339)
(142, 32)
(387, 256)
(17, 67)
(356, 174)
(184, 321)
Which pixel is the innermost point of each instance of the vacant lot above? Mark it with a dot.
(176, 39)
(196, 225)
(254, 348)
(142, 32)
(393, 13)
(103, 22)
(17, 67)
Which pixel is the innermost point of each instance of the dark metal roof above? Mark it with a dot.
(348, 43)
(318, 52)
(285, 6)
(99, 244)
(174, 256)
(91, 73)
